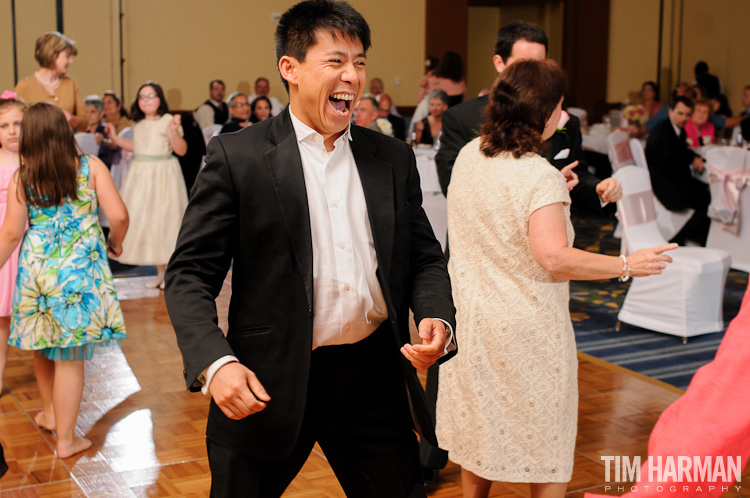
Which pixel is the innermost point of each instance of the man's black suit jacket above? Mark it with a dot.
(249, 207)
(669, 159)
(462, 123)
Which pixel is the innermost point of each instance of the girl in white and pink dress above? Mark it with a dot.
(154, 190)
(11, 113)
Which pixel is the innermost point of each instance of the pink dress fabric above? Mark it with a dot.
(9, 270)
(712, 418)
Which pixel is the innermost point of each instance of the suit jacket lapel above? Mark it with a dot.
(285, 167)
(377, 183)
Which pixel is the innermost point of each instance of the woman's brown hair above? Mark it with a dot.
(521, 101)
(49, 157)
(48, 47)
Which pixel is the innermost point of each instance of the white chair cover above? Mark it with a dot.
(729, 169)
(211, 131)
(619, 150)
(87, 143)
(686, 299)
(670, 222)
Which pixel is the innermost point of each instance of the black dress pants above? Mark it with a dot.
(695, 195)
(358, 412)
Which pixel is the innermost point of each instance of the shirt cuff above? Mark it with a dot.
(208, 373)
(449, 345)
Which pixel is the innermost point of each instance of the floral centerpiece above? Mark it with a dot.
(635, 114)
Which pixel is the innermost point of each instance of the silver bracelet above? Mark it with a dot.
(625, 276)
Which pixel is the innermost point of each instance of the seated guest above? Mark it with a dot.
(650, 98)
(449, 77)
(698, 129)
(94, 114)
(385, 104)
(376, 87)
(239, 112)
(117, 116)
(114, 113)
(720, 122)
(366, 116)
(260, 110)
(669, 161)
(262, 88)
(721, 105)
(745, 102)
(429, 128)
(214, 110)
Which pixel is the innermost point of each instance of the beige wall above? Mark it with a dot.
(633, 47)
(483, 25)
(711, 31)
(480, 71)
(183, 44)
(717, 33)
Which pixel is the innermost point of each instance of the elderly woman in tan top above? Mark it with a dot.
(55, 52)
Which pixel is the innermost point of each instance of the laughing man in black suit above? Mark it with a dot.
(330, 248)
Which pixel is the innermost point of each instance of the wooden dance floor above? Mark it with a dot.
(148, 431)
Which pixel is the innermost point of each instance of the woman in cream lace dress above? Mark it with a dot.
(508, 402)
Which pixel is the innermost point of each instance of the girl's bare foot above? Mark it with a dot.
(44, 421)
(77, 445)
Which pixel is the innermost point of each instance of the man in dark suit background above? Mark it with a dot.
(669, 161)
(330, 248)
(461, 124)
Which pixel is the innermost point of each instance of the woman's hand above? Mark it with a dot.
(571, 178)
(649, 261)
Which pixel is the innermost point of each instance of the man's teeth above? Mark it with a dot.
(342, 96)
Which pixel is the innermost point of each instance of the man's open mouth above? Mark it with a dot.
(342, 102)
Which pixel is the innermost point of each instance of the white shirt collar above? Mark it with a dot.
(302, 131)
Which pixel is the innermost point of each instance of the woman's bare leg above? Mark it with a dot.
(549, 489)
(474, 486)
(44, 370)
(67, 394)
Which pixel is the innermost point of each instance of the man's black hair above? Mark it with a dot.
(298, 27)
(684, 100)
(509, 34)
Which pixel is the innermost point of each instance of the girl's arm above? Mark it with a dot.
(14, 226)
(179, 145)
(117, 140)
(110, 201)
(549, 244)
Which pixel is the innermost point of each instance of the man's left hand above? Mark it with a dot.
(609, 190)
(433, 335)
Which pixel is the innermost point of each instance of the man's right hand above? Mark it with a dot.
(237, 391)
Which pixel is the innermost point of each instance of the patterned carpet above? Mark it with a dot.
(594, 307)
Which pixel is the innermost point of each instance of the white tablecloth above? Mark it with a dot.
(433, 201)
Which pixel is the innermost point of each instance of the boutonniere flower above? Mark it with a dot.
(564, 118)
(385, 126)
(689, 142)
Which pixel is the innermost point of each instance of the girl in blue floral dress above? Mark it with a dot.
(64, 306)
